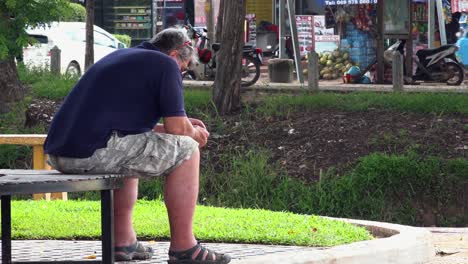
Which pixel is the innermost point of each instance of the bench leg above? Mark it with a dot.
(107, 226)
(6, 229)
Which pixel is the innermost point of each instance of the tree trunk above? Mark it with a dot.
(10, 86)
(226, 91)
(219, 23)
(89, 53)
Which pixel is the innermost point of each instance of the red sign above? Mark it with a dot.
(459, 6)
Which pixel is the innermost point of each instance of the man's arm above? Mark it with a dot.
(181, 125)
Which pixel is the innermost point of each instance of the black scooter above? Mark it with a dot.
(434, 65)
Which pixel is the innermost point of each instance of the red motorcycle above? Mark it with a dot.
(251, 59)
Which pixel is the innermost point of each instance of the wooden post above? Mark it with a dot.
(380, 42)
(39, 164)
(397, 71)
(55, 60)
(313, 71)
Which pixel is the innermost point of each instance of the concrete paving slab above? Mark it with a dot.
(402, 245)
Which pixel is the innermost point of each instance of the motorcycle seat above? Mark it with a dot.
(428, 52)
(216, 46)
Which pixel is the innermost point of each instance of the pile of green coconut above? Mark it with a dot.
(332, 65)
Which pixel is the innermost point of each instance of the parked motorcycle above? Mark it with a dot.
(436, 65)
(206, 70)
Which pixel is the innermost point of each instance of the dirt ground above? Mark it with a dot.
(308, 143)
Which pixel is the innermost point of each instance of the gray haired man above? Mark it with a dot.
(109, 124)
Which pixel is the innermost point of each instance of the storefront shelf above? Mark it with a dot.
(130, 21)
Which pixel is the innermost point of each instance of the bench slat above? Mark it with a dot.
(23, 139)
(15, 177)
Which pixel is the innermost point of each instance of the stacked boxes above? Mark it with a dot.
(361, 46)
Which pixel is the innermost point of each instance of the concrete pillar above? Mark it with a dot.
(55, 60)
(281, 70)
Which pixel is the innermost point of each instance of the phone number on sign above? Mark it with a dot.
(350, 2)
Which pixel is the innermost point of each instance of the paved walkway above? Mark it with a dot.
(56, 250)
(451, 244)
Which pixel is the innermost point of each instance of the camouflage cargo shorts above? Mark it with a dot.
(144, 155)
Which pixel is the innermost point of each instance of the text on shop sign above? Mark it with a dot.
(350, 2)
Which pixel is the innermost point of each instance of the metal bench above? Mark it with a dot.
(33, 181)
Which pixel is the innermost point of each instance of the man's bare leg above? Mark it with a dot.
(180, 195)
(124, 201)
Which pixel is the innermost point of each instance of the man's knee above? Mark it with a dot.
(195, 155)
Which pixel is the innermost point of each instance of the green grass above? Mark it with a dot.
(364, 101)
(45, 84)
(81, 220)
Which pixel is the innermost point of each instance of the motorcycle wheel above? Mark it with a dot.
(457, 73)
(250, 71)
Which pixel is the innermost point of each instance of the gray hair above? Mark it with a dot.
(174, 38)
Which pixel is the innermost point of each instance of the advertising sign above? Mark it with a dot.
(305, 33)
(459, 6)
(320, 27)
(349, 2)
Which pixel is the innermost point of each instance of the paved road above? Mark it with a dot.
(451, 245)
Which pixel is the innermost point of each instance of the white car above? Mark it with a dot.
(70, 38)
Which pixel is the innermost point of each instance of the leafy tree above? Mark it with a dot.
(77, 14)
(15, 17)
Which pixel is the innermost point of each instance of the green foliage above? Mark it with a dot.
(12, 156)
(77, 13)
(60, 219)
(381, 187)
(363, 101)
(125, 39)
(46, 84)
(17, 15)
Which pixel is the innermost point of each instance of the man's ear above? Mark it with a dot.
(173, 53)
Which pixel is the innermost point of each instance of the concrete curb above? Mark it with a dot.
(298, 88)
(402, 245)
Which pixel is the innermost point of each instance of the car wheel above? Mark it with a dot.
(73, 69)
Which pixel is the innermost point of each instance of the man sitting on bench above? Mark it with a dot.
(109, 124)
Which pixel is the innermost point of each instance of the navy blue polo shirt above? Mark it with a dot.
(127, 91)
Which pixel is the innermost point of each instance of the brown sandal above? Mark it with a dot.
(136, 251)
(185, 257)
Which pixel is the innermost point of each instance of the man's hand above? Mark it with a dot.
(191, 127)
(201, 135)
(197, 122)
